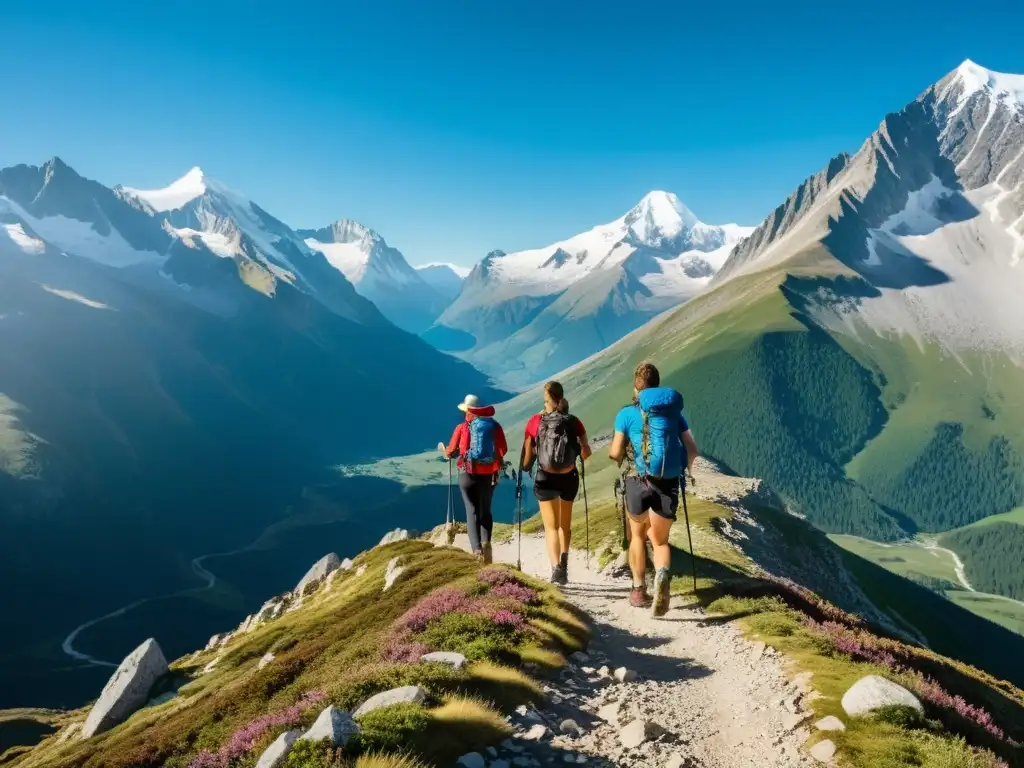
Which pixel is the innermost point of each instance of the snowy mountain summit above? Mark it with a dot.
(379, 272)
(532, 313)
(177, 195)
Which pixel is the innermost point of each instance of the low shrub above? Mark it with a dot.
(390, 729)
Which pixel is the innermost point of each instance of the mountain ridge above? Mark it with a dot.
(534, 312)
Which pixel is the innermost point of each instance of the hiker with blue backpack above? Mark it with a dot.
(662, 446)
(479, 442)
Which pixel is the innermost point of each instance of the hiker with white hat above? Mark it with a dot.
(479, 442)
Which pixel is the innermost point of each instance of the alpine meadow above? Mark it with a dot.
(437, 431)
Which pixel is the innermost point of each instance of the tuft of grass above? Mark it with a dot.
(388, 761)
(505, 687)
(460, 725)
(391, 729)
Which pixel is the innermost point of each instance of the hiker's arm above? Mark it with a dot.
(585, 450)
(453, 444)
(618, 450)
(500, 443)
(691, 450)
(528, 452)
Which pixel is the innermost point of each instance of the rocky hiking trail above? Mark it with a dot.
(681, 690)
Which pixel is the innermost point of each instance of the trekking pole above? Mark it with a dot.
(519, 508)
(586, 507)
(686, 514)
(450, 517)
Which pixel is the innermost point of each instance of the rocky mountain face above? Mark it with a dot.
(862, 349)
(378, 272)
(171, 383)
(523, 316)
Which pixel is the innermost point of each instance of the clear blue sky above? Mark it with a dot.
(455, 128)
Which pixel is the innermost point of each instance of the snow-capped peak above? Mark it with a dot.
(177, 195)
(659, 216)
(1005, 87)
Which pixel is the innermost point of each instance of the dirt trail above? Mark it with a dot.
(724, 702)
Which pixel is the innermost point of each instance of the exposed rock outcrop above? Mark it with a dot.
(277, 753)
(127, 690)
(317, 573)
(409, 694)
(873, 692)
(399, 534)
(394, 570)
(334, 724)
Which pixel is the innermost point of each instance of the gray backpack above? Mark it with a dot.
(558, 442)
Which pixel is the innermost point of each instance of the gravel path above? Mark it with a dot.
(703, 695)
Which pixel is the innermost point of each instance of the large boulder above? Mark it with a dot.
(874, 692)
(334, 724)
(409, 694)
(275, 755)
(395, 569)
(453, 660)
(318, 572)
(399, 534)
(127, 690)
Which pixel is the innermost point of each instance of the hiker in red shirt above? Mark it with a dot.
(479, 442)
(556, 440)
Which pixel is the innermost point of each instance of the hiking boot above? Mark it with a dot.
(558, 575)
(638, 597)
(662, 591)
(488, 554)
(478, 554)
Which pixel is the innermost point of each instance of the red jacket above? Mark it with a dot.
(459, 444)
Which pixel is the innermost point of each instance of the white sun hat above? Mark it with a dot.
(471, 403)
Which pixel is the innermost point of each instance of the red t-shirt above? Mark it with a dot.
(460, 442)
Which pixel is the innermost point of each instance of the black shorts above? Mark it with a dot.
(548, 486)
(657, 494)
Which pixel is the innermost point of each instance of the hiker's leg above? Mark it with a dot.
(549, 514)
(658, 534)
(484, 512)
(638, 548)
(564, 525)
(470, 494)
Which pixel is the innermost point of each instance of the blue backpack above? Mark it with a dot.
(481, 441)
(661, 447)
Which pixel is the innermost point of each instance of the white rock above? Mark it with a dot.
(872, 692)
(472, 760)
(637, 732)
(536, 733)
(346, 565)
(399, 534)
(570, 727)
(270, 610)
(609, 713)
(393, 571)
(361, 570)
(215, 641)
(334, 724)
(830, 723)
(408, 694)
(267, 658)
(454, 660)
(275, 755)
(624, 675)
(127, 689)
(823, 751)
(604, 671)
(676, 760)
(318, 572)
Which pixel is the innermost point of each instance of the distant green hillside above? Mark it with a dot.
(993, 557)
(864, 435)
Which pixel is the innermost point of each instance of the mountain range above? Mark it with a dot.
(177, 356)
(862, 349)
(170, 359)
(523, 316)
